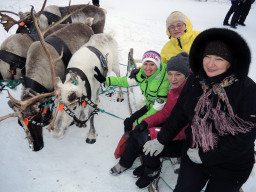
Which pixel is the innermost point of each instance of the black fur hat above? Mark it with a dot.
(239, 50)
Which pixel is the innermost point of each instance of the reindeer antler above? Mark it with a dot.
(9, 115)
(42, 9)
(8, 21)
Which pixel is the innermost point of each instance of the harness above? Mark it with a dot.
(58, 44)
(34, 36)
(52, 18)
(14, 60)
(84, 78)
(83, 100)
(100, 56)
(34, 85)
(26, 27)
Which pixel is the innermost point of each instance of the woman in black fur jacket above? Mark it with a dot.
(219, 103)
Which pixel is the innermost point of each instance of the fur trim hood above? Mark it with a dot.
(241, 55)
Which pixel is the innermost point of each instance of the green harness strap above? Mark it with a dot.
(10, 83)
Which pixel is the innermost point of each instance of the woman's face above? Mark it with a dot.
(177, 29)
(149, 68)
(215, 65)
(175, 78)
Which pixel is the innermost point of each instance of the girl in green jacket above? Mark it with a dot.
(153, 82)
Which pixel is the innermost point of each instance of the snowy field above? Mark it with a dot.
(69, 164)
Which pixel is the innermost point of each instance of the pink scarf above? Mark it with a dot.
(207, 117)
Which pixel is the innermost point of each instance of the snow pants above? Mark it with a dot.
(244, 9)
(233, 9)
(193, 178)
(134, 148)
(173, 149)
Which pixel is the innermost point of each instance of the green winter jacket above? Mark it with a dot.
(154, 88)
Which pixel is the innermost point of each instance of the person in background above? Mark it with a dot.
(96, 3)
(244, 9)
(153, 82)
(234, 9)
(177, 70)
(180, 32)
(218, 102)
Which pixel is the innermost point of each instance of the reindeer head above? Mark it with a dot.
(70, 93)
(26, 24)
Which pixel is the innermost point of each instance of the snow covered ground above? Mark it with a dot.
(69, 164)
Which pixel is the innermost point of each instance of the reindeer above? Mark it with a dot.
(80, 89)
(53, 13)
(13, 53)
(39, 75)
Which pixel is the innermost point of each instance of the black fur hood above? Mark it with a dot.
(241, 55)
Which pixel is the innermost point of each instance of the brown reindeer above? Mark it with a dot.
(13, 53)
(40, 80)
(52, 14)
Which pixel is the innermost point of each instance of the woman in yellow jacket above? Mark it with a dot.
(180, 32)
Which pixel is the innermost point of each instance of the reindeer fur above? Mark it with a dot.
(19, 44)
(86, 60)
(98, 14)
(37, 65)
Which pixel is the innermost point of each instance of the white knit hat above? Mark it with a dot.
(152, 56)
(174, 17)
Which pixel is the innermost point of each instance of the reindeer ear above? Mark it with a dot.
(21, 15)
(58, 81)
(89, 21)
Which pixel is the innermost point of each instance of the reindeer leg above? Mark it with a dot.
(120, 96)
(92, 135)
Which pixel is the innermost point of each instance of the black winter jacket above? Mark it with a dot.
(234, 154)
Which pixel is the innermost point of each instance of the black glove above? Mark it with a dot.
(99, 76)
(134, 73)
(128, 122)
(141, 127)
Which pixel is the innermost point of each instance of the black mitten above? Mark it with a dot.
(141, 127)
(128, 124)
(134, 73)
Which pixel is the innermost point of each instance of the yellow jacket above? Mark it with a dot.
(176, 45)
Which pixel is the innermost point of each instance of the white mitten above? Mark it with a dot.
(153, 147)
(193, 154)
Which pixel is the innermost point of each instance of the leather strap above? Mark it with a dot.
(84, 78)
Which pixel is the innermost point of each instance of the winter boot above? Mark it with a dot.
(240, 23)
(148, 177)
(139, 171)
(117, 169)
(226, 24)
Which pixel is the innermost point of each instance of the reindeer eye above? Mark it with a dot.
(72, 97)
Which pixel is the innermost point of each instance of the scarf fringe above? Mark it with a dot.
(206, 117)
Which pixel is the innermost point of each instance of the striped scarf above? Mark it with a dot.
(221, 117)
